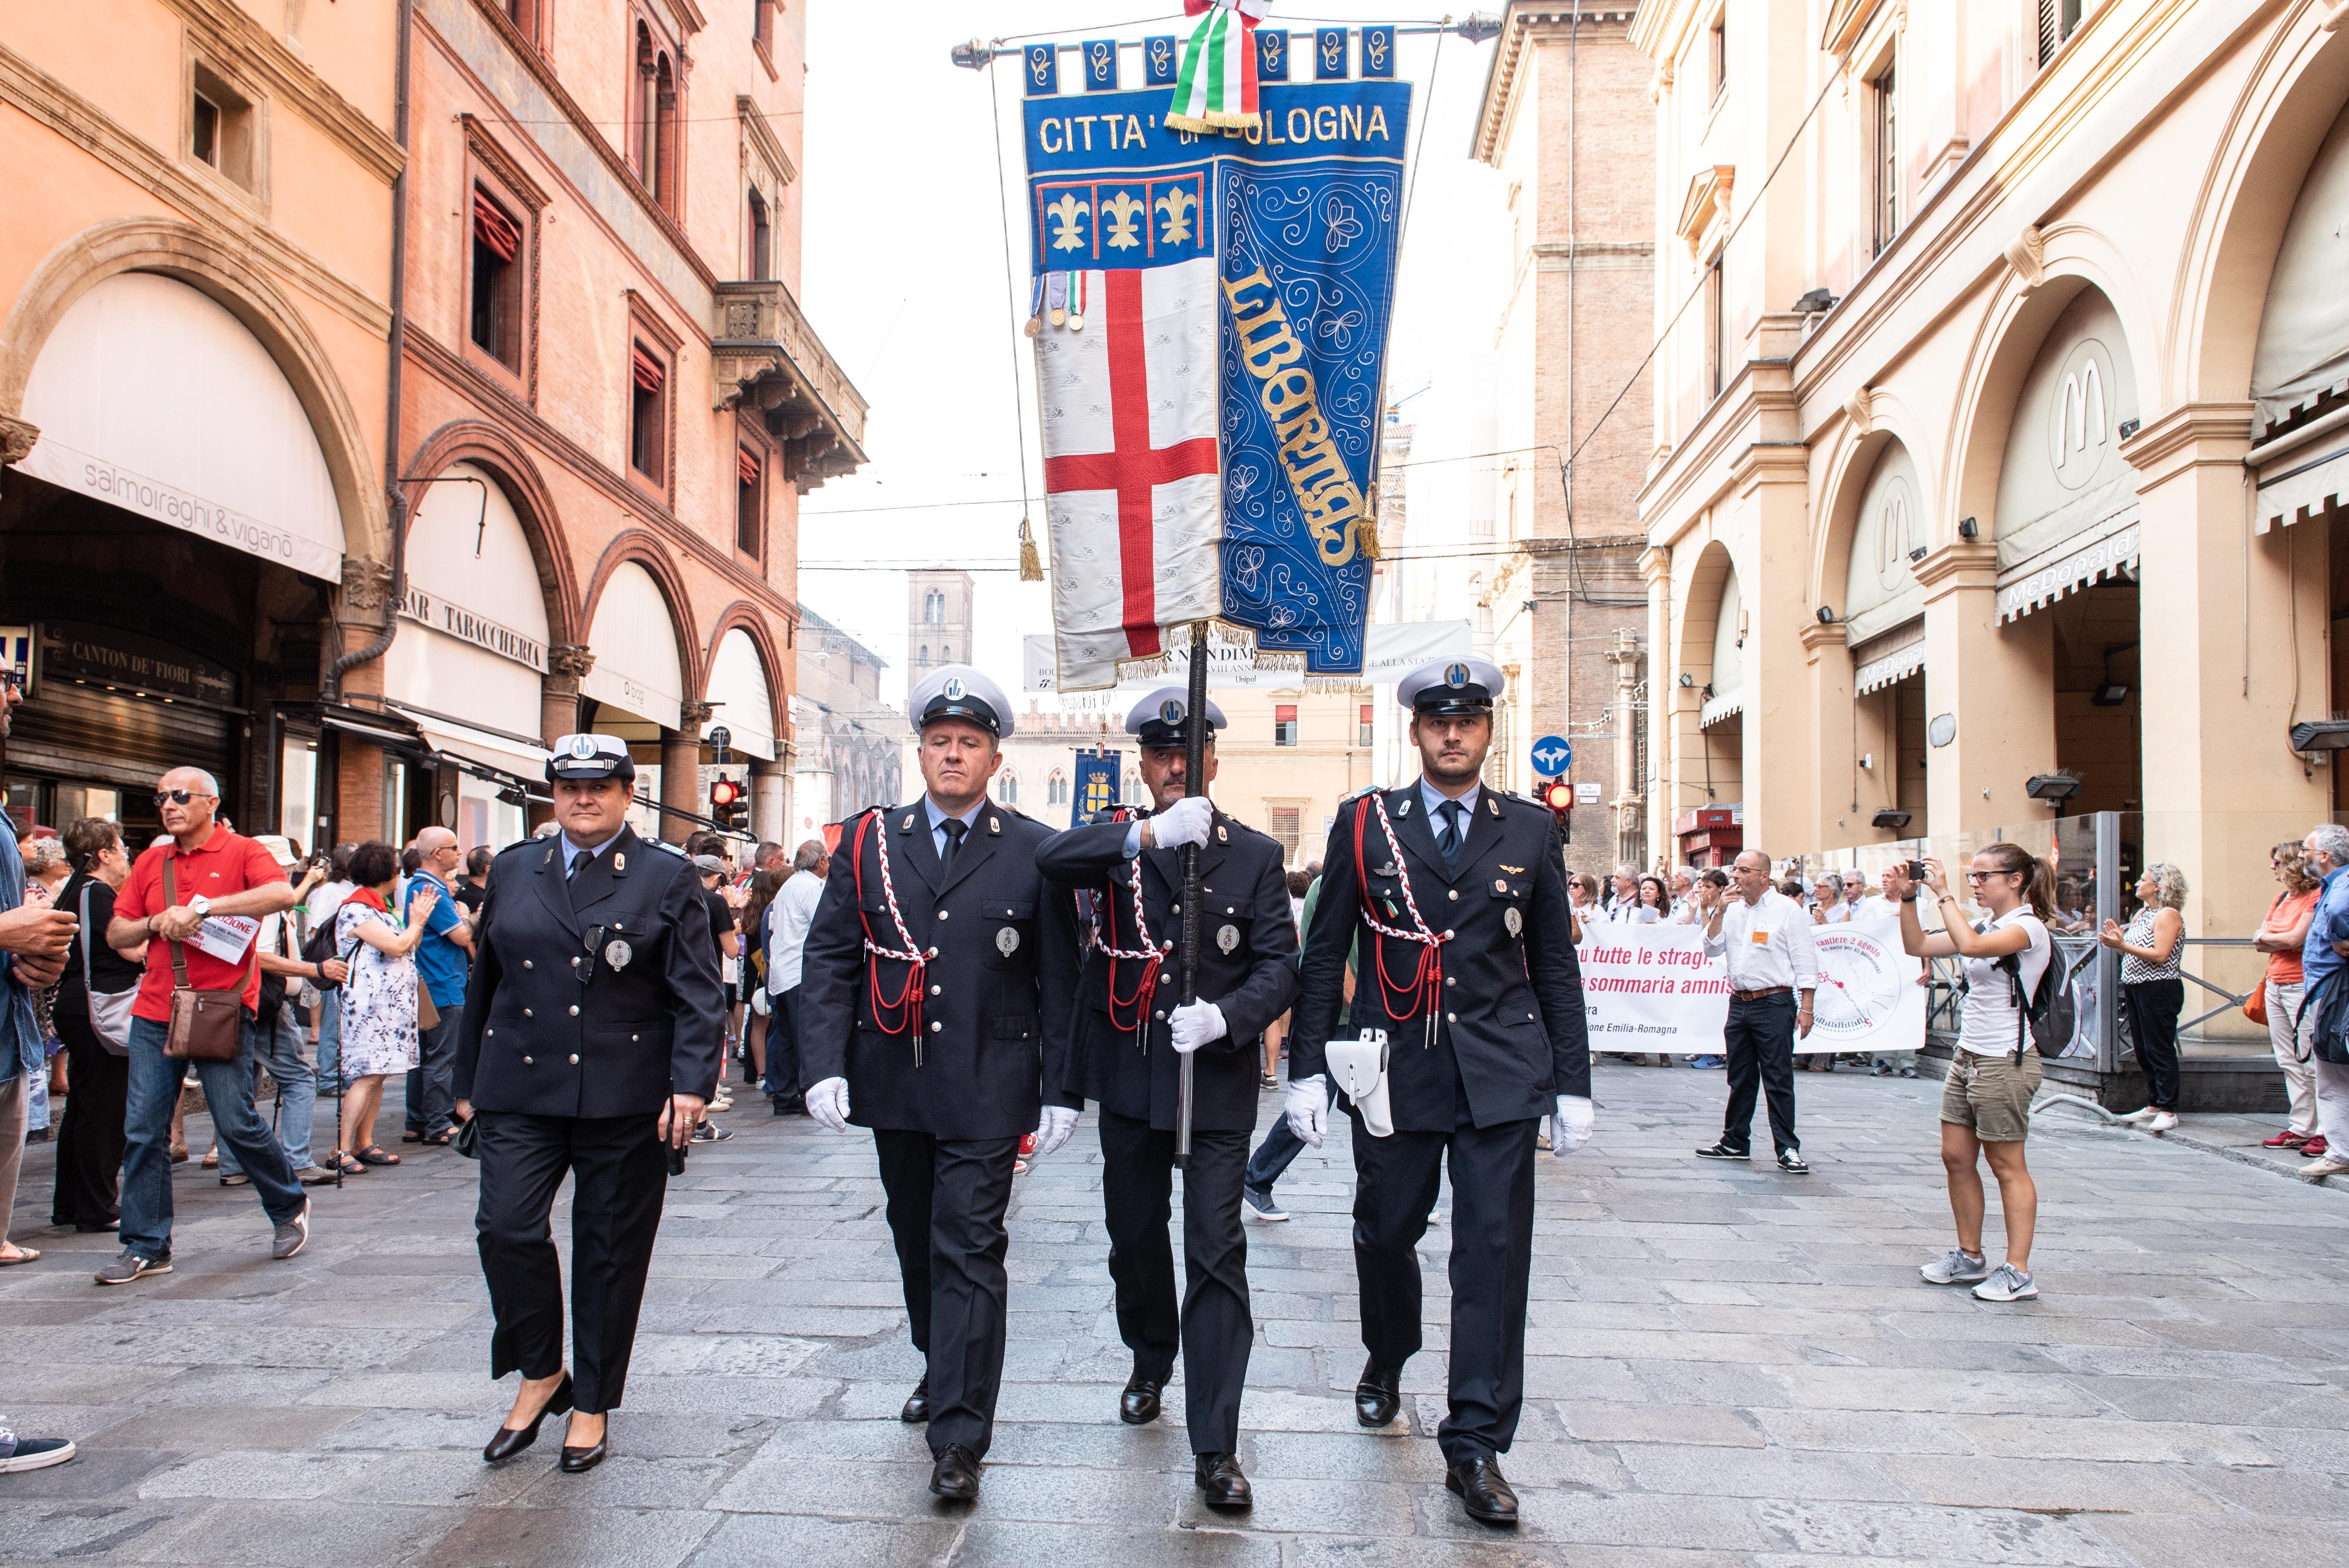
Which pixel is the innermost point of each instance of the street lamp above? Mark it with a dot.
(1894, 821)
(2320, 735)
(2053, 788)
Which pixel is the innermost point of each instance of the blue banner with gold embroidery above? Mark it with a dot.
(1100, 56)
(1303, 213)
(1096, 785)
(1330, 55)
(1043, 69)
(1161, 58)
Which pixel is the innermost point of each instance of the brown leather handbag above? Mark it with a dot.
(206, 1026)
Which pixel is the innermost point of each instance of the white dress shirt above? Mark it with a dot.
(788, 919)
(1765, 944)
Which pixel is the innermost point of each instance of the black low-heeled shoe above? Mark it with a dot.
(511, 1441)
(1378, 1397)
(1138, 1405)
(579, 1461)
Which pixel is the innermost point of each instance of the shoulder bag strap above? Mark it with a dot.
(89, 987)
(179, 955)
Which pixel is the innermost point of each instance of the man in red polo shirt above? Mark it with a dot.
(217, 876)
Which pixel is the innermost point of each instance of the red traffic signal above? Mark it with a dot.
(1558, 796)
(728, 807)
(724, 792)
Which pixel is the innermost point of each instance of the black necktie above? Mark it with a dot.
(581, 858)
(1448, 840)
(953, 827)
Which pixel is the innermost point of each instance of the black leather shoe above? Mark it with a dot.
(1138, 1405)
(579, 1461)
(1218, 1476)
(1378, 1396)
(511, 1441)
(917, 1404)
(1482, 1490)
(955, 1475)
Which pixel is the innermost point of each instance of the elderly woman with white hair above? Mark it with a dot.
(2153, 991)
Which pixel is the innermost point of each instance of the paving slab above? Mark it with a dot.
(1727, 1369)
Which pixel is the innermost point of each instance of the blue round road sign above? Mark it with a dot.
(1553, 755)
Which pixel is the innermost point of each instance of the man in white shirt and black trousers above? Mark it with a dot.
(1763, 940)
(1457, 896)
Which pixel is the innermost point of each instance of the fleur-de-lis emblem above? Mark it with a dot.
(1068, 213)
(1177, 204)
(1122, 210)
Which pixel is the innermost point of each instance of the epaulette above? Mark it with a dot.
(1107, 814)
(1014, 812)
(672, 849)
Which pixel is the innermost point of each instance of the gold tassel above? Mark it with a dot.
(1031, 568)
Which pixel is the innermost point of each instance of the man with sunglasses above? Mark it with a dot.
(215, 874)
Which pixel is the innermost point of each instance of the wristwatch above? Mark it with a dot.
(201, 904)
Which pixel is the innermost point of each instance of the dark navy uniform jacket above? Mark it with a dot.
(968, 1045)
(1509, 1030)
(553, 1026)
(1251, 973)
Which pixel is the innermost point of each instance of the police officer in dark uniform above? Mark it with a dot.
(1130, 1038)
(1457, 895)
(589, 1045)
(934, 1009)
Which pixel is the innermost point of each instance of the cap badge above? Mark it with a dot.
(583, 747)
(953, 689)
(1456, 676)
(1170, 712)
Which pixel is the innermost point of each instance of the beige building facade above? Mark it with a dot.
(1996, 424)
(1566, 121)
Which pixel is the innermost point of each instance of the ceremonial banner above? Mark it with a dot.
(1210, 313)
(1652, 988)
(1097, 775)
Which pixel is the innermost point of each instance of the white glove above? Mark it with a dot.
(1184, 822)
(1570, 1128)
(1308, 1108)
(1195, 1026)
(827, 1101)
(1059, 1122)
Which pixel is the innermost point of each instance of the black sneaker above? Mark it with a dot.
(31, 1453)
(710, 1132)
(1793, 1163)
(128, 1265)
(1260, 1205)
(1722, 1151)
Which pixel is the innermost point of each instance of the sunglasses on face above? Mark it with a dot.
(177, 796)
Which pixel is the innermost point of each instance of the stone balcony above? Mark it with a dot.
(765, 355)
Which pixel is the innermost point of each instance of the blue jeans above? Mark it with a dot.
(330, 1040)
(432, 1081)
(1272, 1157)
(146, 1136)
(281, 1051)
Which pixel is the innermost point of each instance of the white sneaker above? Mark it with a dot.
(2139, 1117)
(2006, 1283)
(2162, 1121)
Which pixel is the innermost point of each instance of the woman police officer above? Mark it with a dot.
(590, 1044)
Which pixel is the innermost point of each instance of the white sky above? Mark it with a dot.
(904, 279)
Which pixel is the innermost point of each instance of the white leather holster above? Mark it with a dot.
(1359, 1069)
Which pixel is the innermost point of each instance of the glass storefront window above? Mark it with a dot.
(297, 792)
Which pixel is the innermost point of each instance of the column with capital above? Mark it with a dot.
(680, 780)
(567, 664)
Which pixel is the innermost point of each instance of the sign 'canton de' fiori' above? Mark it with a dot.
(1211, 316)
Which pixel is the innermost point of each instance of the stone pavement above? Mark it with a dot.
(1730, 1367)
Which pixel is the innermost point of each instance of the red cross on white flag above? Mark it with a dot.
(1131, 466)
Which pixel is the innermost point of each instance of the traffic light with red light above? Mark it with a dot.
(1558, 796)
(728, 808)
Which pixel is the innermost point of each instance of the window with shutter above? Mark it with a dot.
(1283, 724)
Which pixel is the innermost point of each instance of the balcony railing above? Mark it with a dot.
(765, 355)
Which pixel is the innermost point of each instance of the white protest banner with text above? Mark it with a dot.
(1652, 988)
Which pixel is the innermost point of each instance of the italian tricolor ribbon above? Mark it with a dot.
(1216, 88)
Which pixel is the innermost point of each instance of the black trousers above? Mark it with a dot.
(1213, 1327)
(619, 1174)
(947, 1199)
(1759, 1040)
(89, 1139)
(1395, 1185)
(783, 1082)
(2153, 1008)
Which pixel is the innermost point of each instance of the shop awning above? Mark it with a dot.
(635, 643)
(508, 754)
(2300, 491)
(737, 690)
(1728, 705)
(385, 733)
(2106, 549)
(152, 399)
(1886, 660)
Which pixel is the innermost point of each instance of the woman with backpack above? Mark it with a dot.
(1986, 1101)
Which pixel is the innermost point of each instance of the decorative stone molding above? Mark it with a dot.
(1707, 202)
(570, 661)
(692, 716)
(367, 585)
(16, 440)
(2336, 18)
(2027, 254)
(1817, 634)
(224, 31)
(1859, 409)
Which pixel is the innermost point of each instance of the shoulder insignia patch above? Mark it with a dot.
(672, 849)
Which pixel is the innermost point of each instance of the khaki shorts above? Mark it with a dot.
(1991, 1095)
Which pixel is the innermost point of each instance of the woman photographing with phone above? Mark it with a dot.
(1986, 1101)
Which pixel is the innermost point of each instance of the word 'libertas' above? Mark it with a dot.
(1326, 493)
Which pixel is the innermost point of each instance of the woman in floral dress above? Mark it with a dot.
(378, 1001)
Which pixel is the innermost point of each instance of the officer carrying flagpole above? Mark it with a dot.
(1134, 1039)
(1457, 895)
(934, 1009)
